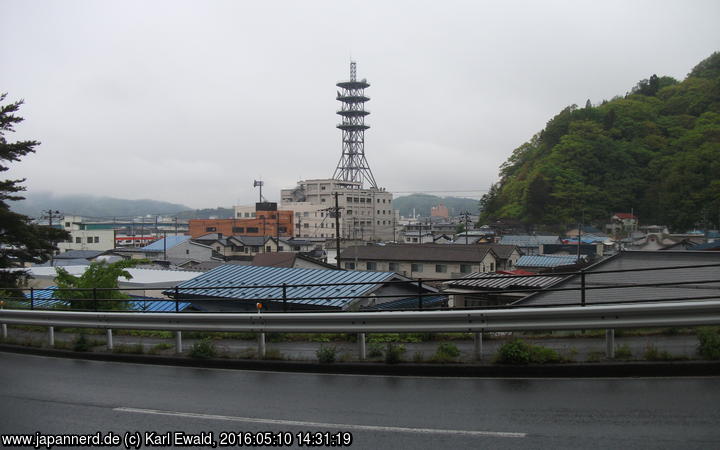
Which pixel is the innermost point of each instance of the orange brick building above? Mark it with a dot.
(265, 223)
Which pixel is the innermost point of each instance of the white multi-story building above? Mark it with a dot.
(365, 214)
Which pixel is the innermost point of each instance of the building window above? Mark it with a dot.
(280, 248)
(492, 267)
(306, 214)
(393, 267)
(465, 268)
(89, 240)
(78, 240)
(322, 200)
(416, 267)
(414, 239)
(283, 229)
(350, 265)
(67, 224)
(97, 239)
(268, 249)
(440, 268)
(253, 230)
(238, 229)
(255, 248)
(210, 229)
(371, 265)
(306, 225)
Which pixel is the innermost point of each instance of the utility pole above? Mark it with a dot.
(50, 213)
(337, 231)
(466, 216)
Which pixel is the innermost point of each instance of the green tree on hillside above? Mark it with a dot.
(20, 240)
(656, 151)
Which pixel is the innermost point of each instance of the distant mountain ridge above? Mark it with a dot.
(422, 204)
(92, 206)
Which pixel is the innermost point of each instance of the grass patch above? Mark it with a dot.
(135, 349)
(595, 356)
(82, 344)
(653, 354)
(203, 349)
(418, 357)
(709, 342)
(393, 353)
(623, 352)
(447, 352)
(273, 354)
(520, 352)
(159, 348)
(326, 354)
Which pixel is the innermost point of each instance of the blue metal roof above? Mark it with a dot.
(45, 298)
(159, 246)
(234, 283)
(410, 303)
(546, 260)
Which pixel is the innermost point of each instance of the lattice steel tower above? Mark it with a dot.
(353, 166)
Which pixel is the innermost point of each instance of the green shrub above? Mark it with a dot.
(514, 352)
(520, 352)
(543, 355)
(623, 352)
(446, 352)
(393, 353)
(326, 354)
(595, 356)
(81, 344)
(203, 349)
(709, 342)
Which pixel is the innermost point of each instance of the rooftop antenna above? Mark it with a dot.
(352, 165)
(259, 184)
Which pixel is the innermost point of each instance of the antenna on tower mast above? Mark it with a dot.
(259, 184)
(352, 165)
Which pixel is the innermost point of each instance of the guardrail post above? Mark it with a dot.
(109, 339)
(361, 346)
(284, 291)
(610, 343)
(4, 331)
(178, 342)
(51, 336)
(419, 293)
(478, 346)
(32, 298)
(261, 345)
(582, 287)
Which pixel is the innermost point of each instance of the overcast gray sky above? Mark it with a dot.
(190, 101)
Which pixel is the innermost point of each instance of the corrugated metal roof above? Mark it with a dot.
(417, 252)
(159, 245)
(503, 281)
(410, 303)
(528, 240)
(546, 260)
(231, 278)
(629, 260)
(45, 298)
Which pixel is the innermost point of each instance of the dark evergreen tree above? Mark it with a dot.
(20, 240)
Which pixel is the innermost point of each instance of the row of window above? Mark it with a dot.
(90, 240)
(241, 230)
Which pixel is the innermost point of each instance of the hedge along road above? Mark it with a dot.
(51, 395)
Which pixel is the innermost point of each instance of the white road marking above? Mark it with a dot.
(316, 425)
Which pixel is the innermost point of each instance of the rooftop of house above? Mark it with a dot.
(253, 283)
(546, 260)
(417, 252)
(165, 243)
(528, 240)
(662, 263)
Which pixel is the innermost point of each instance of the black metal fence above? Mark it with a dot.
(178, 298)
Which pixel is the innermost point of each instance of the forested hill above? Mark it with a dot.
(656, 151)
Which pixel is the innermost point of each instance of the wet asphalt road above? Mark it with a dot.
(53, 395)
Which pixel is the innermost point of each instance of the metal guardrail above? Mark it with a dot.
(670, 314)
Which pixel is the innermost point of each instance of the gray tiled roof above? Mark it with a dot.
(417, 252)
(529, 240)
(640, 260)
